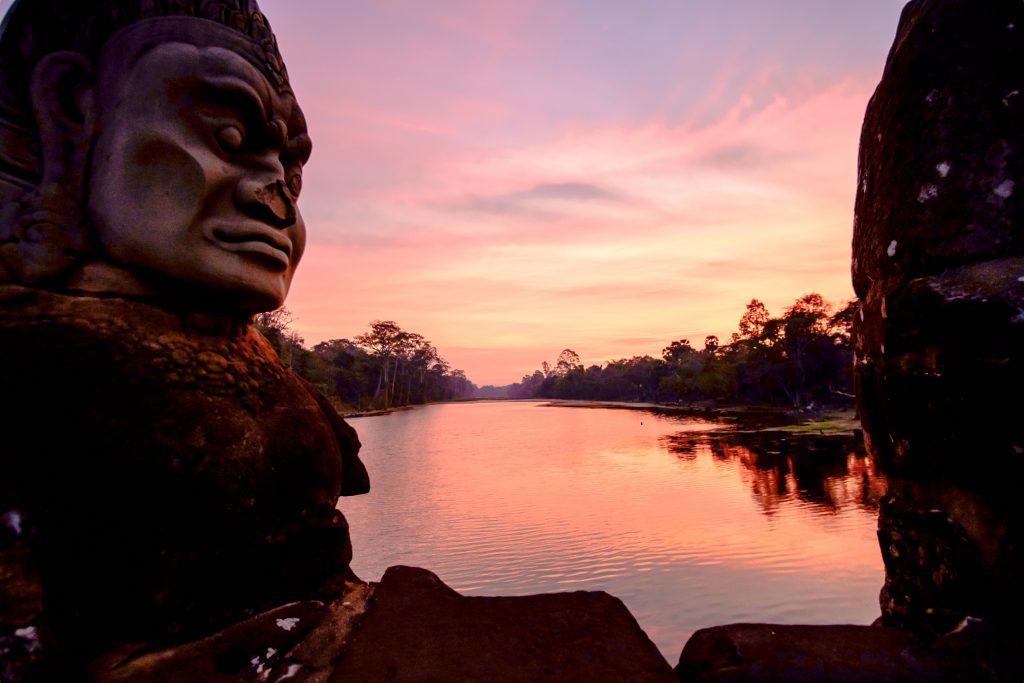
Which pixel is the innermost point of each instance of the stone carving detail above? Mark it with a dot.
(938, 265)
(63, 77)
(161, 474)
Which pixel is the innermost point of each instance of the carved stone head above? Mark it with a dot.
(151, 149)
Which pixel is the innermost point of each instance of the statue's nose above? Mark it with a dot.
(271, 203)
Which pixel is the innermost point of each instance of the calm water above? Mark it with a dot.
(688, 525)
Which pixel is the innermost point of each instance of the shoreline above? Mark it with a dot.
(770, 418)
(747, 418)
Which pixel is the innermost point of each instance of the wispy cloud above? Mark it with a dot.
(537, 200)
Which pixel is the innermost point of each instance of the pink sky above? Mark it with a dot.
(511, 178)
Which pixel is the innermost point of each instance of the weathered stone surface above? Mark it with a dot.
(740, 653)
(993, 648)
(940, 167)
(948, 553)
(410, 627)
(939, 267)
(246, 651)
(313, 660)
(167, 499)
(299, 642)
(947, 382)
(418, 629)
(937, 242)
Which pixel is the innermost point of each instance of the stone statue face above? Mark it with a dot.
(195, 172)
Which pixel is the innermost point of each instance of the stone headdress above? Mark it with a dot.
(42, 229)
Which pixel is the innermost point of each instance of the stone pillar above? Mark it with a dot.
(938, 264)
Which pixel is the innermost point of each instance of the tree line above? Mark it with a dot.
(382, 368)
(799, 359)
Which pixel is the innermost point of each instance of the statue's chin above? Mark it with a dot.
(250, 301)
(242, 292)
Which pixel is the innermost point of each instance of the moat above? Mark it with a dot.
(690, 522)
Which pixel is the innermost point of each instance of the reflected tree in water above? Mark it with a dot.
(828, 472)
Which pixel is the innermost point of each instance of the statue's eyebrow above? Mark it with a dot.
(240, 96)
(236, 94)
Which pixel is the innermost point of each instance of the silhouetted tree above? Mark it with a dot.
(753, 321)
(568, 360)
(383, 342)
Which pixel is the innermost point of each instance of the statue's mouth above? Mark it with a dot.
(256, 240)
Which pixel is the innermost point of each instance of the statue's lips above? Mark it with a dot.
(257, 239)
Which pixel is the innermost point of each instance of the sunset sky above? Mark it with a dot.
(513, 177)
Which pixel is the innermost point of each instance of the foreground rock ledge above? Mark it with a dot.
(738, 653)
(412, 627)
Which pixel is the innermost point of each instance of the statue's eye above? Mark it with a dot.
(230, 138)
(295, 185)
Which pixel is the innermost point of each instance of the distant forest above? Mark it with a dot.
(383, 368)
(800, 359)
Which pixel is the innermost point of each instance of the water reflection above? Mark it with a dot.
(830, 471)
(689, 522)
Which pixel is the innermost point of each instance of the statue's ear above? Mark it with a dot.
(64, 102)
(50, 235)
